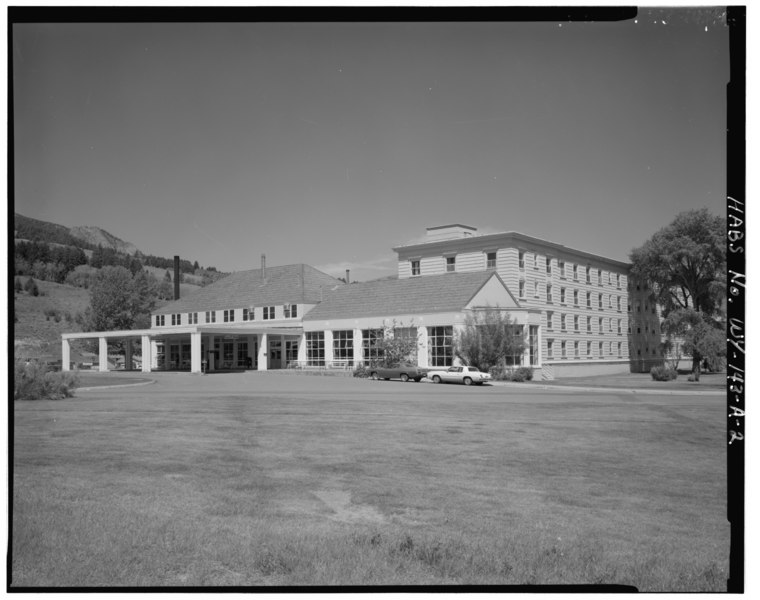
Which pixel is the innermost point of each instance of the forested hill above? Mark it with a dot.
(33, 230)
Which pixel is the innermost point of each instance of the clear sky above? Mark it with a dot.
(331, 143)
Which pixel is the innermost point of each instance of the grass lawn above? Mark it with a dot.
(263, 479)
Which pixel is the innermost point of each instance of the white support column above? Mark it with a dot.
(153, 354)
(128, 354)
(195, 352)
(263, 350)
(422, 346)
(210, 353)
(65, 355)
(358, 351)
(147, 354)
(103, 354)
(302, 350)
(329, 357)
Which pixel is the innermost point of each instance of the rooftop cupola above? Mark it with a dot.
(449, 232)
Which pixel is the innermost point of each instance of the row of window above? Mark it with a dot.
(612, 302)
(613, 324)
(289, 311)
(605, 349)
(612, 278)
(451, 263)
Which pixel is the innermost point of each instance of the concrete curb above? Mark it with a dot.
(118, 385)
(607, 390)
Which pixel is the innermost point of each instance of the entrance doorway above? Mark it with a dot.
(275, 354)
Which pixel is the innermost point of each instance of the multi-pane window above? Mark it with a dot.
(575, 272)
(601, 349)
(177, 319)
(210, 316)
(535, 261)
(521, 259)
(576, 349)
(248, 314)
(611, 327)
(315, 348)
(242, 354)
(451, 264)
(562, 268)
(160, 320)
(268, 313)
(490, 260)
(290, 311)
(415, 267)
(562, 295)
(588, 274)
(229, 315)
(588, 349)
(620, 349)
(535, 289)
(575, 297)
(601, 299)
(618, 284)
(192, 318)
(549, 320)
(599, 276)
(618, 304)
(601, 325)
(549, 292)
(515, 358)
(564, 349)
(620, 326)
(408, 335)
(588, 324)
(533, 345)
(588, 299)
(576, 323)
(522, 288)
(370, 351)
(563, 322)
(550, 348)
(548, 265)
(440, 346)
(343, 345)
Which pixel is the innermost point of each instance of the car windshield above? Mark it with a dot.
(473, 369)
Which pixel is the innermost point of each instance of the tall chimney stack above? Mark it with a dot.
(264, 267)
(347, 272)
(176, 277)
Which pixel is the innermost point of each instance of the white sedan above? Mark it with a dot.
(465, 375)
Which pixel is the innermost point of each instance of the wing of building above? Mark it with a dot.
(579, 312)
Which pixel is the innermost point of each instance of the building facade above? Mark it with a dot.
(578, 312)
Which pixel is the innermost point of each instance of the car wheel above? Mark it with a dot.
(467, 381)
(374, 376)
(436, 379)
(417, 379)
(404, 377)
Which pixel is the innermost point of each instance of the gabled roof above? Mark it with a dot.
(412, 295)
(288, 284)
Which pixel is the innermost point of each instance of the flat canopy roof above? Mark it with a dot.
(183, 331)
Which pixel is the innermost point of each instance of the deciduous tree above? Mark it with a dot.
(488, 339)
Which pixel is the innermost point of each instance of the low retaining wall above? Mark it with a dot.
(579, 368)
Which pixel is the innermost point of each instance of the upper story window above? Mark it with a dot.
(160, 320)
(588, 274)
(575, 272)
(268, 313)
(177, 319)
(210, 316)
(549, 292)
(588, 299)
(535, 260)
(229, 315)
(562, 268)
(415, 267)
(490, 260)
(599, 276)
(548, 265)
(562, 295)
(521, 259)
(601, 299)
(522, 288)
(192, 318)
(535, 289)
(618, 304)
(563, 322)
(451, 264)
(575, 297)
(588, 324)
(618, 280)
(248, 314)
(576, 323)
(549, 319)
(290, 311)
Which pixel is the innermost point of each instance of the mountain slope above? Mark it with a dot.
(100, 237)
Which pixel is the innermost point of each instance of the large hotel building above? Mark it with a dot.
(579, 313)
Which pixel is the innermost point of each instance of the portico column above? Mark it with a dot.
(263, 343)
(422, 347)
(195, 352)
(128, 354)
(147, 347)
(210, 352)
(153, 354)
(103, 354)
(302, 350)
(358, 351)
(328, 347)
(65, 355)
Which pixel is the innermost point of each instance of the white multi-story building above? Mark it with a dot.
(578, 312)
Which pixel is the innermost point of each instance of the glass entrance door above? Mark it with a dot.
(275, 354)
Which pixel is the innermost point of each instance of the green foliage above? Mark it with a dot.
(503, 373)
(685, 262)
(117, 300)
(361, 371)
(18, 287)
(489, 337)
(394, 348)
(34, 381)
(31, 287)
(663, 373)
(702, 337)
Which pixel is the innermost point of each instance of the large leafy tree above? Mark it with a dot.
(118, 301)
(488, 338)
(685, 266)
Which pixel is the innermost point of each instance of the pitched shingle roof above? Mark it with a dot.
(413, 295)
(284, 284)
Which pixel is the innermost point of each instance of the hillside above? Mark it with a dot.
(100, 237)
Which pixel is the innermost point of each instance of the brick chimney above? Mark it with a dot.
(347, 272)
(176, 277)
(264, 267)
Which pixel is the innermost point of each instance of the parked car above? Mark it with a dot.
(465, 375)
(404, 372)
